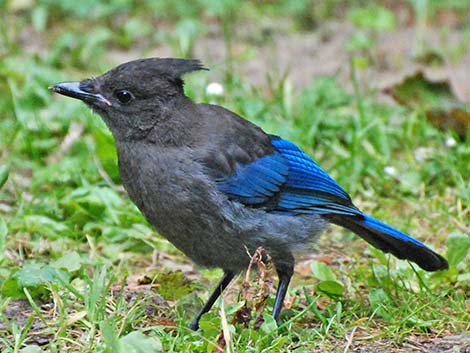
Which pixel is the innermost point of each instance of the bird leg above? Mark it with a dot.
(224, 282)
(284, 273)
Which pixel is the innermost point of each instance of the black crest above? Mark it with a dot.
(178, 67)
(170, 68)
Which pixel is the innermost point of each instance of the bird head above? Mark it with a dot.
(133, 96)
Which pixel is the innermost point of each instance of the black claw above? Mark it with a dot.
(194, 325)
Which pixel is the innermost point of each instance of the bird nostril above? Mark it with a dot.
(87, 86)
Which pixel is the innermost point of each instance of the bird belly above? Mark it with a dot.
(226, 234)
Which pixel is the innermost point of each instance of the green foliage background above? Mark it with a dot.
(76, 253)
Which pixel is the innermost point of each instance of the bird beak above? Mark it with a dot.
(72, 89)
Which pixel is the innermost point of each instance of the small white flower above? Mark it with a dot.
(214, 89)
(390, 170)
(450, 142)
(423, 153)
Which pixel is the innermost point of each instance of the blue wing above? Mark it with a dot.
(257, 182)
(287, 181)
(290, 182)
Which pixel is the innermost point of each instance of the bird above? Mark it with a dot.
(216, 185)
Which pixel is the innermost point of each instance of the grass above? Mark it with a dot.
(82, 271)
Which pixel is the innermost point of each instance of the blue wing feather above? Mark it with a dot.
(287, 181)
(304, 172)
(258, 181)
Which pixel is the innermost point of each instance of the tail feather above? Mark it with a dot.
(391, 240)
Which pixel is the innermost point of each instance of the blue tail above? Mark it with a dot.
(391, 240)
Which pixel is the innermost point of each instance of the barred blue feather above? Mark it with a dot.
(288, 181)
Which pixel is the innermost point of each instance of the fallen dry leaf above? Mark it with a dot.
(442, 108)
(255, 293)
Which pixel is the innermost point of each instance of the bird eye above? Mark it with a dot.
(123, 96)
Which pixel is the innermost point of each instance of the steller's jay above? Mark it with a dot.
(216, 185)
